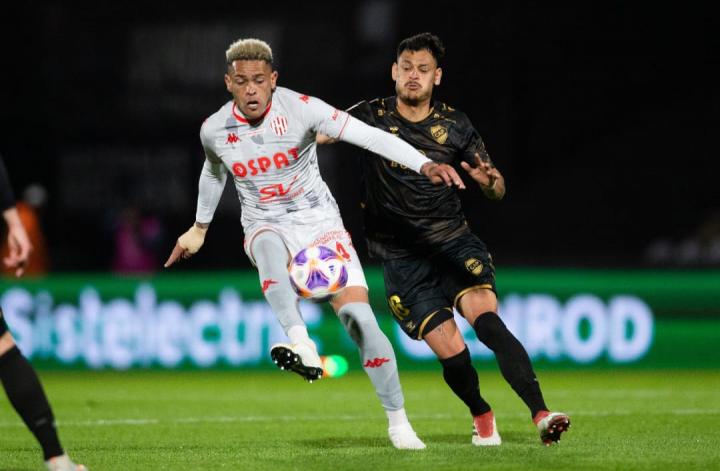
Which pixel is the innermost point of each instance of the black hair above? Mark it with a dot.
(423, 41)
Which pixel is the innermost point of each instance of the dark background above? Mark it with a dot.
(602, 117)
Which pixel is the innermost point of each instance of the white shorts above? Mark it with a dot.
(330, 232)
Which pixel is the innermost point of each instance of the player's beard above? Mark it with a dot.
(415, 97)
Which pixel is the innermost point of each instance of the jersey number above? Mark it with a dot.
(341, 250)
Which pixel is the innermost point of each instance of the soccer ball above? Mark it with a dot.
(317, 273)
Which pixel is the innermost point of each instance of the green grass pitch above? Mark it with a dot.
(149, 420)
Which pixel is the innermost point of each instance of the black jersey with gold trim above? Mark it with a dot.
(404, 212)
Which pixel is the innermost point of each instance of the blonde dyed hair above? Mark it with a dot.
(249, 50)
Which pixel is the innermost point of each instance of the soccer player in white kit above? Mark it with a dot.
(265, 137)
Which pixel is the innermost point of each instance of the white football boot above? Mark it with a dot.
(403, 437)
(302, 358)
(551, 425)
(485, 431)
(63, 463)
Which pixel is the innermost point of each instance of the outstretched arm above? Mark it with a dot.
(210, 188)
(487, 176)
(392, 148)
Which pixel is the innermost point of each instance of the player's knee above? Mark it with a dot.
(268, 247)
(359, 321)
(3, 325)
(8, 349)
(488, 326)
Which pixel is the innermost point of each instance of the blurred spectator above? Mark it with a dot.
(29, 211)
(702, 248)
(137, 239)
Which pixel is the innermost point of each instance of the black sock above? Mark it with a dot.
(462, 378)
(26, 394)
(512, 358)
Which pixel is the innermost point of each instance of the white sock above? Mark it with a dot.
(299, 334)
(397, 417)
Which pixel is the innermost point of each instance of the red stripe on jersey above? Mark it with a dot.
(343, 128)
(240, 117)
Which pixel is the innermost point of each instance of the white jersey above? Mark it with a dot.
(274, 163)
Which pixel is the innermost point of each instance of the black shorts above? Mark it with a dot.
(3, 325)
(423, 289)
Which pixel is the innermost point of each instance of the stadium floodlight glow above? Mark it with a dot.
(334, 366)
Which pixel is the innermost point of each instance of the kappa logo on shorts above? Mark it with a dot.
(376, 362)
(474, 266)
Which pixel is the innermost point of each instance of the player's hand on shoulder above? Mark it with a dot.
(187, 244)
(440, 174)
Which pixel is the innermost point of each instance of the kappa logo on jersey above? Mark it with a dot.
(304, 98)
(279, 125)
(376, 362)
(262, 164)
(278, 190)
(232, 138)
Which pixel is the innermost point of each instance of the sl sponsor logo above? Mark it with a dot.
(376, 362)
(474, 266)
(262, 164)
(439, 133)
(277, 190)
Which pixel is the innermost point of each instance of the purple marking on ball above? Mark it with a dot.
(301, 257)
(325, 252)
(316, 280)
(342, 281)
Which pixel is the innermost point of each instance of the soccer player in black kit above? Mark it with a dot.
(17, 376)
(432, 262)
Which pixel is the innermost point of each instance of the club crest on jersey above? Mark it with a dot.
(474, 266)
(439, 133)
(279, 125)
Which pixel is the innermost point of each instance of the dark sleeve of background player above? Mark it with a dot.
(473, 144)
(6, 195)
(363, 111)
